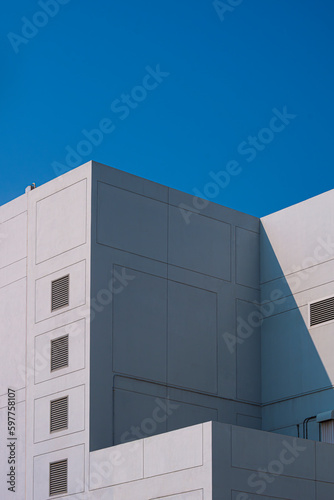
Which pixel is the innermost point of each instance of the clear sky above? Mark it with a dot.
(181, 91)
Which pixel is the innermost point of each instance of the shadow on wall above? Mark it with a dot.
(296, 359)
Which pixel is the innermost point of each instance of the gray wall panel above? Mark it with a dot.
(137, 416)
(192, 338)
(131, 222)
(248, 349)
(140, 328)
(167, 324)
(203, 245)
(247, 258)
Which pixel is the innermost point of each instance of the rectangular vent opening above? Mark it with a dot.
(58, 477)
(59, 353)
(322, 311)
(59, 414)
(60, 292)
(327, 431)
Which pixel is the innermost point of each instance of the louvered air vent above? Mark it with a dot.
(58, 477)
(60, 292)
(59, 414)
(327, 431)
(59, 353)
(322, 311)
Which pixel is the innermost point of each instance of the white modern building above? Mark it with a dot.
(152, 349)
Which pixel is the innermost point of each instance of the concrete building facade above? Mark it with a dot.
(155, 350)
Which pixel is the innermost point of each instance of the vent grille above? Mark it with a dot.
(59, 414)
(59, 353)
(322, 311)
(60, 292)
(58, 477)
(327, 431)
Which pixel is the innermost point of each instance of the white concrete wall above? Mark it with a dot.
(58, 244)
(210, 461)
(13, 282)
(297, 265)
(176, 465)
(169, 265)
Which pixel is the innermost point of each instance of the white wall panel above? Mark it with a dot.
(76, 476)
(76, 348)
(61, 221)
(77, 285)
(76, 414)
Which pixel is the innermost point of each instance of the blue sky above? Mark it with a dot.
(180, 89)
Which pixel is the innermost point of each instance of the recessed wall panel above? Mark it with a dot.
(76, 414)
(76, 351)
(185, 415)
(138, 415)
(307, 228)
(139, 327)
(247, 258)
(13, 336)
(192, 337)
(61, 221)
(202, 244)
(289, 350)
(253, 450)
(132, 222)
(75, 456)
(13, 240)
(248, 350)
(77, 290)
(183, 449)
